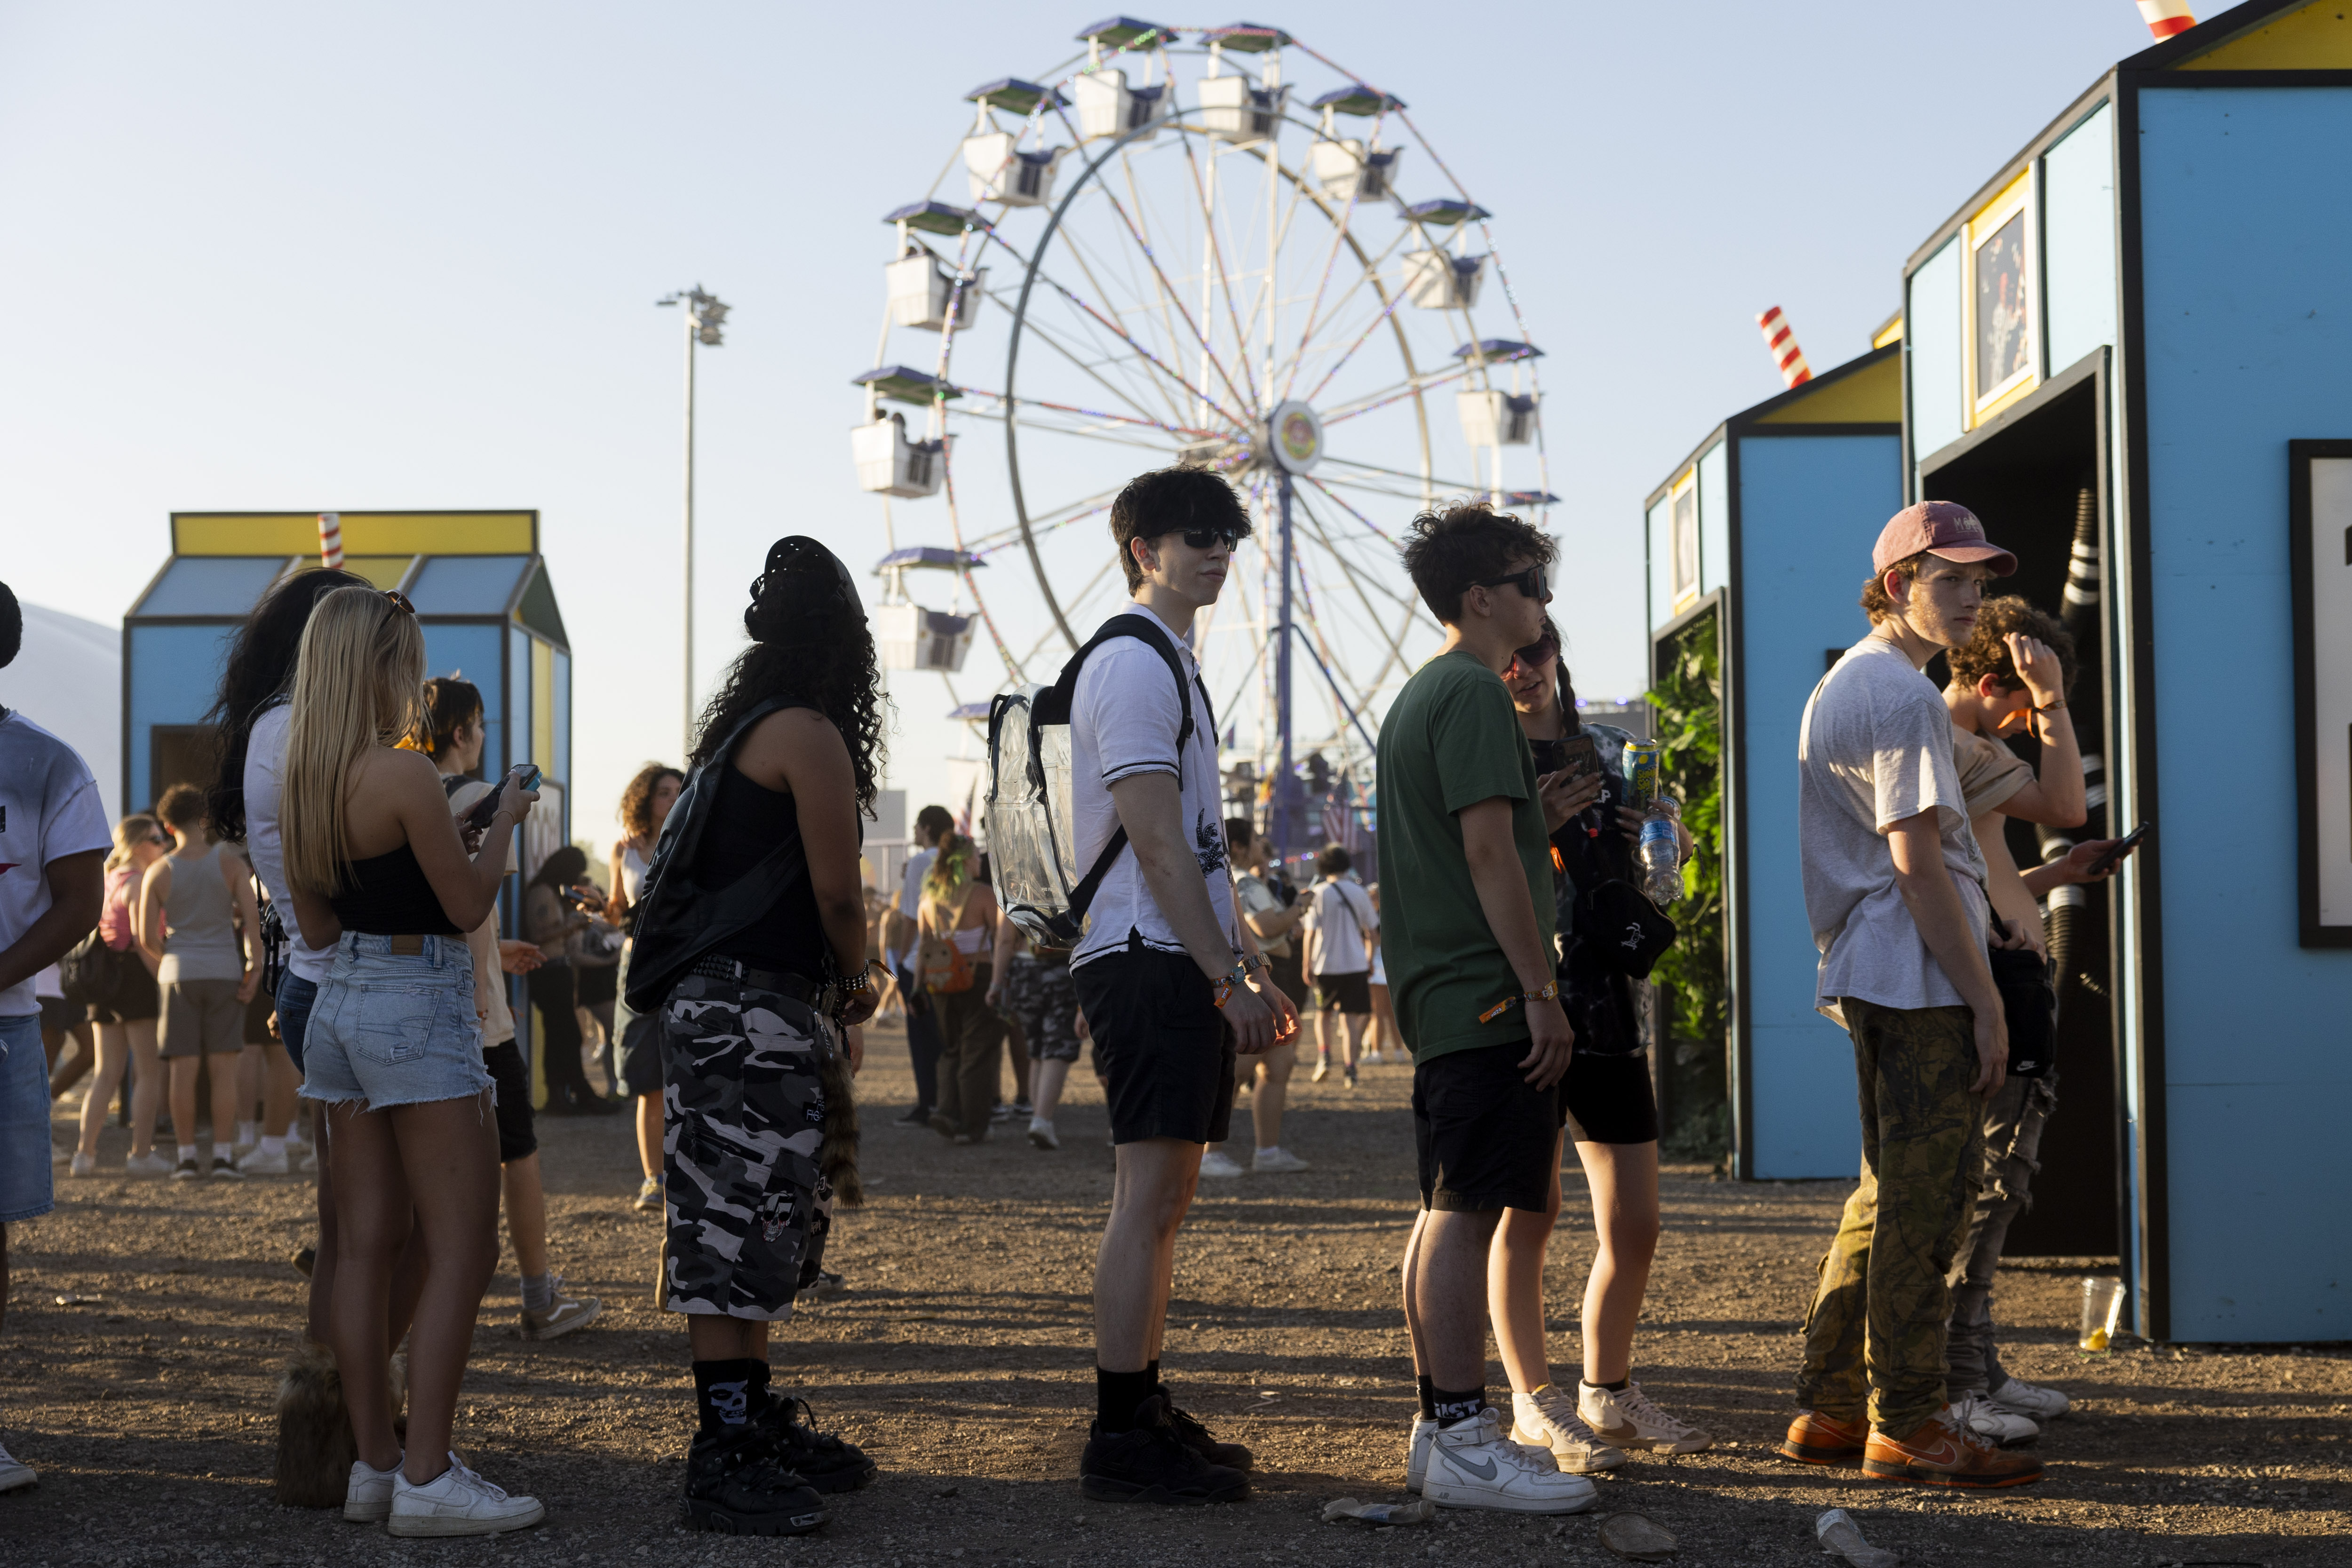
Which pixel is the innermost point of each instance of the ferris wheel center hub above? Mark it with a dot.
(1294, 437)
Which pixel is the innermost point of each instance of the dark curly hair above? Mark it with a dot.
(1452, 547)
(637, 800)
(809, 640)
(1171, 500)
(260, 666)
(1986, 654)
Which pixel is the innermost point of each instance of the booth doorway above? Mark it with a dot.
(2037, 478)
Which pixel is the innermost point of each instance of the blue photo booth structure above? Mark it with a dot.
(2130, 335)
(484, 602)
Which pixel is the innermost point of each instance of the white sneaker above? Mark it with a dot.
(261, 1164)
(1278, 1162)
(1217, 1162)
(1975, 1413)
(1627, 1419)
(83, 1164)
(367, 1499)
(459, 1502)
(15, 1473)
(1473, 1465)
(1041, 1133)
(1416, 1453)
(2031, 1400)
(563, 1314)
(1548, 1419)
(151, 1163)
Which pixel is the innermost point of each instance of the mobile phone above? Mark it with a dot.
(580, 898)
(2120, 848)
(1578, 756)
(486, 808)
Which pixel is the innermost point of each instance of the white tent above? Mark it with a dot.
(68, 679)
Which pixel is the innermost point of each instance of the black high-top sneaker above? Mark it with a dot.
(1151, 1464)
(825, 1461)
(1195, 1437)
(738, 1483)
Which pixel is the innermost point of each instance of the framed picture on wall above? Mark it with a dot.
(2002, 300)
(1682, 512)
(2319, 545)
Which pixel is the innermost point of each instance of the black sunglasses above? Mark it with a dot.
(399, 601)
(1535, 582)
(1202, 538)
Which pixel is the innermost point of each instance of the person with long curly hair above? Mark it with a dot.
(750, 948)
(636, 1049)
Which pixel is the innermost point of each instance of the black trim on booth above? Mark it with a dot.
(2299, 523)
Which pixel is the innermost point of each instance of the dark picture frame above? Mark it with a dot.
(2319, 568)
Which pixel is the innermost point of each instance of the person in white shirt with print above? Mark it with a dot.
(1342, 932)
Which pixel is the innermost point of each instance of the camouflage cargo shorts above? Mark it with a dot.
(742, 1118)
(1041, 997)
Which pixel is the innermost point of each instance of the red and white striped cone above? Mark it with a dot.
(2166, 17)
(331, 540)
(1781, 342)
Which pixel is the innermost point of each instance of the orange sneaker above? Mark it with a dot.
(1940, 1455)
(1817, 1440)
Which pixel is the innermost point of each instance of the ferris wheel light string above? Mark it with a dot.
(1217, 256)
(1347, 569)
(1341, 503)
(1315, 309)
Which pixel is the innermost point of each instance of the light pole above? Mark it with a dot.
(704, 318)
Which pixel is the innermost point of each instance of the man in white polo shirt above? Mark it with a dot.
(1163, 971)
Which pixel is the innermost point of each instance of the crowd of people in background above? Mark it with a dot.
(313, 936)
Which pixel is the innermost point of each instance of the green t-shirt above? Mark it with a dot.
(1451, 740)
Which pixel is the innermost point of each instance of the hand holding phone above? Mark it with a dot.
(524, 778)
(2118, 848)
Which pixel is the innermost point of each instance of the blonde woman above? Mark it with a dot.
(380, 876)
(958, 919)
(125, 1019)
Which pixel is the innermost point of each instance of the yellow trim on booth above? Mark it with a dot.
(2317, 36)
(1982, 402)
(542, 701)
(1890, 333)
(364, 533)
(1872, 395)
(383, 571)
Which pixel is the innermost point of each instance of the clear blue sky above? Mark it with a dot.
(290, 256)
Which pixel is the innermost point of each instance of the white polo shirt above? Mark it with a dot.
(1124, 720)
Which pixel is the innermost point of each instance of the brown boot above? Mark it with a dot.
(1817, 1440)
(1937, 1455)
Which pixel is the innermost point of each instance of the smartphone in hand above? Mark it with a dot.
(2119, 848)
(478, 819)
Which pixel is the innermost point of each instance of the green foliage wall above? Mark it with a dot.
(1688, 703)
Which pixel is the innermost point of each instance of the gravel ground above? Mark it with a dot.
(959, 1358)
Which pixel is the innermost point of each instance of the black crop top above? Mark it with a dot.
(748, 820)
(387, 895)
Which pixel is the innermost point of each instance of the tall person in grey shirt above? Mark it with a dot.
(1895, 890)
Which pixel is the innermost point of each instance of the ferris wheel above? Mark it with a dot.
(1162, 250)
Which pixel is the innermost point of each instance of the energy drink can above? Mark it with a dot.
(1641, 759)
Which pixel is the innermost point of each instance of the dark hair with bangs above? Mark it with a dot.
(1469, 541)
(1171, 500)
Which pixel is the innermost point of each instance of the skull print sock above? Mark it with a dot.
(1449, 1405)
(722, 1392)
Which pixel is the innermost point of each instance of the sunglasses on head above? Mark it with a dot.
(399, 601)
(1202, 538)
(1535, 582)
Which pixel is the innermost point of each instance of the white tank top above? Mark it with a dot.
(633, 872)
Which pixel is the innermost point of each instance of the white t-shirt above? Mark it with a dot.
(910, 881)
(1341, 915)
(1876, 747)
(265, 759)
(1124, 720)
(48, 809)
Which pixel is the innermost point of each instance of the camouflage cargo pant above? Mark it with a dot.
(2013, 1124)
(1040, 996)
(1876, 1331)
(742, 1120)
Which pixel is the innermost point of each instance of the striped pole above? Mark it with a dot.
(1781, 342)
(331, 540)
(2166, 17)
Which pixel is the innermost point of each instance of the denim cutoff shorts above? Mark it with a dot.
(395, 1027)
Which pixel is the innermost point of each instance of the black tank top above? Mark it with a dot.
(748, 820)
(387, 895)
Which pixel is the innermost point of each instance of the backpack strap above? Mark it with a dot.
(1144, 629)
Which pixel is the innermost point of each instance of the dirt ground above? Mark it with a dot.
(960, 1358)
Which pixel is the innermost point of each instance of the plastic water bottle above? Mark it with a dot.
(1661, 851)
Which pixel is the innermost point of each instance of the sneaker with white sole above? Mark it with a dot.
(1975, 1413)
(187, 1171)
(1416, 1453)
(1625, 1418)
(1042, 1134)
(563, 1314)
(367, 1498)
(649, 1196)
(457, 1502)
(151, 1163)
(1217, 1162)
(265, 1162)
(15, 1473)
(1548, 1419)
(1278, 1162)
(225, 1169)
(1322, 1071)
(1473, 1465)
(83, 1164)
(2030, 1400)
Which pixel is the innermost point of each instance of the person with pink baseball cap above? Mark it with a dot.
(1894, 887)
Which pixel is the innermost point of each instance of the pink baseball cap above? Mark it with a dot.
(1946, 528)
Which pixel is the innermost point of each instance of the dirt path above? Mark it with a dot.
(960, 1358)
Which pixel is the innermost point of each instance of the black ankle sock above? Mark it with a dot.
(1616, 1387)
(1452, 1404)
(1428, 1392)
(1151, 1371)
(1117, 1394)
(723, 1391)
(758, 1392)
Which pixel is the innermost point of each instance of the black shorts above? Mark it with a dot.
(1161, 1045)
(257, 1014)
(1350, 994)
(58, 1014)
(1289, 973)
(129, 994)
(518, 1135)
(1487, 1139)
(1609, 1100)
(596, 982)
(637, 1058)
